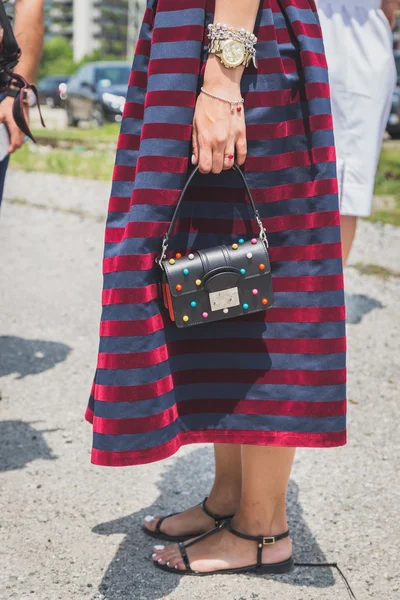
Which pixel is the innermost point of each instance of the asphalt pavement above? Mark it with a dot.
(72, 531)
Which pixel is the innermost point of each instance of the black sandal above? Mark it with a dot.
(157, 533)
(259, 568)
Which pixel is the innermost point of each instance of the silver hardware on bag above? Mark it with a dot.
(224, 299)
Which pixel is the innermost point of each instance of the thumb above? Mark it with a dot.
(195, 147)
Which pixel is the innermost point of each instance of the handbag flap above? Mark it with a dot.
(241, 261)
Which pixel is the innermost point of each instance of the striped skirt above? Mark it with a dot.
(273, 378)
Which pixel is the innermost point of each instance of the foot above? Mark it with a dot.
(223, 550)
(190, 522)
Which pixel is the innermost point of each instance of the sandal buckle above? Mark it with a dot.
(268, 541)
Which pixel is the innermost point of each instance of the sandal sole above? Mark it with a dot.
(273, 569)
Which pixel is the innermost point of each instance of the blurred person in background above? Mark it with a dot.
(359, 48)
(29, 33)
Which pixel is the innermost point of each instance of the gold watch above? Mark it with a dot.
(231, 52)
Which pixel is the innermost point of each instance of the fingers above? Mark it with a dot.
(195, 146)
(241, 150)
(17, 138)
(205, 153)
(229, 156)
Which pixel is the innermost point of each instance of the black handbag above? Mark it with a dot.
(217, 283)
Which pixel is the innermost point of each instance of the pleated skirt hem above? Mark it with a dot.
(105, 458)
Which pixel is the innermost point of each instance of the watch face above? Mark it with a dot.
(233, 53)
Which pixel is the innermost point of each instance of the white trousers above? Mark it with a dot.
(359, 49)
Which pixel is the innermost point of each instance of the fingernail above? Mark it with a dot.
(149, 519)
(159, 547)
(193, 159)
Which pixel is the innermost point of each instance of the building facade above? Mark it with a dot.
(111, 26)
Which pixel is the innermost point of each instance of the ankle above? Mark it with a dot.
(259, 524)
(224, 499)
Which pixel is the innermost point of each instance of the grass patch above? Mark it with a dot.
(86, 164)
(376, 271)
(108, 133)
(387, 184)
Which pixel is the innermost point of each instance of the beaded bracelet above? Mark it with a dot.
(222, 32)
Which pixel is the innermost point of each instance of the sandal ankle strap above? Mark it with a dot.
(218, 519)
(260, 539)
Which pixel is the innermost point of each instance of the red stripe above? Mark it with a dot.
(128, 141)
(216, 436)
(143, 47)
(170, 5)
(124, 173)
(223, 226)
(132, 328)
(307, 29)
(270, 131)
(226, 406)
(167, 131)
(131, 262)
(138, 360)
(146, 391)
(299, 158)
(285, 97)
(278, 193)
(319, 283)
(162, 164)
(313, 59)
(119, 204)
(138, 78)
(178, 34)
(171, 98)
(133, 110)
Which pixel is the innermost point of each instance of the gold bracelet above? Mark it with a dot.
(237, 103)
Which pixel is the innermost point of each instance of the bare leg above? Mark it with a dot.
(262, 511)
(223, 499)
(348, 226)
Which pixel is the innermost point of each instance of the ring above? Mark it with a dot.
(229, 156)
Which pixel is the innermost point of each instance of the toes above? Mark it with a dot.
(150, 522)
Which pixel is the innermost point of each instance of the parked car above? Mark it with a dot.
(53, 90)
(393, 126)
(96, 93)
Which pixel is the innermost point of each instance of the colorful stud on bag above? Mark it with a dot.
(243, 271)
(193, 304)
(205, 315)
(235, 246)
(254, 292)
(261, 267)
(241, 241)
(185, 271)
(264, 301)
(171, 262)
(178, 287)
(185, 318)
(191, 257)
(249, 255)
(245, 307)
(178, 255)
(198, 282)
(225, 311)
(254, 241)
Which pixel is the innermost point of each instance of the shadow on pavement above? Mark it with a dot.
(21, 444)
(29, 357)
(131, 575)
(358, 306)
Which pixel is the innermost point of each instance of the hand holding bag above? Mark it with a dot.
(217, 283)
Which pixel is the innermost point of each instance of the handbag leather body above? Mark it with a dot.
(220, 282)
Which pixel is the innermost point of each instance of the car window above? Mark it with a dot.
(112, 75)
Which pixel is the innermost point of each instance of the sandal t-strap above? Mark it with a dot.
(160, 535)
(218, 519)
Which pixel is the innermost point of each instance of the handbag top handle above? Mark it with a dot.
(165, 242)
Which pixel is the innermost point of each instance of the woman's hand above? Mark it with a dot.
(219, 136)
